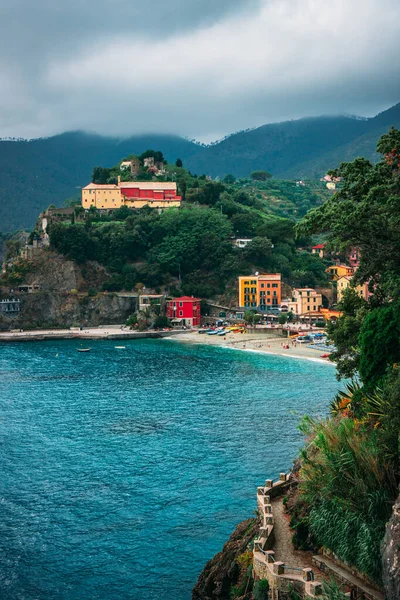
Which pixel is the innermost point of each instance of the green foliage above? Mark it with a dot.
(249, 316)
(282, 319)
(229, 179)
(333, 591)
(347, 480)
(260, 175)
(100, 175)
(179, 162)
(132, 320)
(345, 334)
(379, 343)
(260, 589)
(354, 539)
(365, 214)
(161, 322)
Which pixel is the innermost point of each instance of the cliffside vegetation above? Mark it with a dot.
(191, 250)
(350, 466)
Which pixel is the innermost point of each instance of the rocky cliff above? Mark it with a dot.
(62, 298)
(391, 555)
(227, 570)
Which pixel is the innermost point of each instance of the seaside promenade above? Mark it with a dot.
(112, 332)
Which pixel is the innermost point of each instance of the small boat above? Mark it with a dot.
(212, 332)
(120, 347)
(223, 332)
(84, 349)
(203, 330)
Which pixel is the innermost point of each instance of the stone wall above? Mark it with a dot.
(265, 566)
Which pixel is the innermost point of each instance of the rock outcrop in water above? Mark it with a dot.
(391, 555)
(223, 571)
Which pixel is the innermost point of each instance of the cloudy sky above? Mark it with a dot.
(200, 68)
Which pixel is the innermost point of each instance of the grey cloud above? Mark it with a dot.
(199, 68)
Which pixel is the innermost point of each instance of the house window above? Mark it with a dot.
(253, 282)
(247, 303)
(181, 313)
(180, 303)
(262, 285)
(268, 293)
(275, 285)
(308, 308)
(247, 283)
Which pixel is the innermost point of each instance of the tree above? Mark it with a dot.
(100, 175)
(179, 163)
(365, 214)
(161, 322)
(249, 316)
(258, 251)
(260, 175)
(132, 320)
(182, 187)
(229, 178)
(282, 319)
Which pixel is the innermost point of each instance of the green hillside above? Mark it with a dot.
(34, 174)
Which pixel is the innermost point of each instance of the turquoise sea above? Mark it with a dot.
(123, 471)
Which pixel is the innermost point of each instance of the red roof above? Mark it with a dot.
(186, 299)
(319, 247)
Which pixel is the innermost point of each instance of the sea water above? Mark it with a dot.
(122, 471)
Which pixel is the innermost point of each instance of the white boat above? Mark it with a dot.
(120, 347)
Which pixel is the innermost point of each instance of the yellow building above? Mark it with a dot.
(304, 300)
(101, 196)
(337, 271)
(344, 282)
(260, 291)
(133, 194)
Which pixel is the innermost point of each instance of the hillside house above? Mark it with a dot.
(344, 282)
(184, 311)
(337, 271)
(318, 249)
(304, 301)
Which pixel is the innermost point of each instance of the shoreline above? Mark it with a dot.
(257, 343)
(104, 332)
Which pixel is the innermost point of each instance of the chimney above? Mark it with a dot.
(119, 180)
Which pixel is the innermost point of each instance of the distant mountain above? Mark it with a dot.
(34, 174)
(37, 173)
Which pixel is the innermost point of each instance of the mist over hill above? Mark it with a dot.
(36, 173)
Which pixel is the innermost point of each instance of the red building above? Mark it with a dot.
(184, 310)
(150, 190)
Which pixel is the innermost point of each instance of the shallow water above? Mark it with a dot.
(124, 470)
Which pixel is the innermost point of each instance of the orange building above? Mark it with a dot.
(260, 291)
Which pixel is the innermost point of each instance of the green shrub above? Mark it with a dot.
(260, 589)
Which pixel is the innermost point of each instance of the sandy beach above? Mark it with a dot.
(267, 343)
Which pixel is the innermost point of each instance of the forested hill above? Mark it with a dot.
(37, 173)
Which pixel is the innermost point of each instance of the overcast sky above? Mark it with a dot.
(200, 68)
